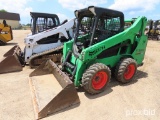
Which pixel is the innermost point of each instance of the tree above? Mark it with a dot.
(28, 24)
(2, 10)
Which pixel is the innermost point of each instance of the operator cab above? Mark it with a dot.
(95, 24)
(43, 21)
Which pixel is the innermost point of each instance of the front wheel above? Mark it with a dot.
(96, 78)
(126, 70)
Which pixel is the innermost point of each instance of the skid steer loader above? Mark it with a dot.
(89, 58)
(154, 31)
(5, 33)
(45, 42)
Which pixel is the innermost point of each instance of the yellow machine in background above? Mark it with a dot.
(5, 33)
(153, 31)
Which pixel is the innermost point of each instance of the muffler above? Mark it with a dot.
(12, 61)
(53, 91)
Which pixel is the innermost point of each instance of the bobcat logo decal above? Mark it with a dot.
(96, 50)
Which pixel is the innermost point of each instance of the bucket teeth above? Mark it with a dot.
(43, 87)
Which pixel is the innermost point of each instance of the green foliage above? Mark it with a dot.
(2, 10)
(28, 24)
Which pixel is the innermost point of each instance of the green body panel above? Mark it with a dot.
(67, 47)
(139, 52)
(134, 35)
(128, 21)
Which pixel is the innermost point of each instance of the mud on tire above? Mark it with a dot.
(96, 78)
(126, 70)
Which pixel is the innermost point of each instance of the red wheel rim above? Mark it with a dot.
(129, 72)
(99, 80)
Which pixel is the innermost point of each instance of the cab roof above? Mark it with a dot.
(98, 11)
(47, 15)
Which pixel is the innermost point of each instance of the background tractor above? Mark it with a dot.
(153, 31)
(5, 33)
(45, 42)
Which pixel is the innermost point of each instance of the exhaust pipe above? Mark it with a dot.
(53, 91)
(12, 61)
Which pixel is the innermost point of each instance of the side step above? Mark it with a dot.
(10, 62)
(53, 92)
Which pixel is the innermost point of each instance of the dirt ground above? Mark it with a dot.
(138, 100)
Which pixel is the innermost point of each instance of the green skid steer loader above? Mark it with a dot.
(100, 45)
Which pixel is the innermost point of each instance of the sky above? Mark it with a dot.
(65, 8)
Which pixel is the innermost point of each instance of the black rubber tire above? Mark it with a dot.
(122, 67)
(89, 75)
(2, 43)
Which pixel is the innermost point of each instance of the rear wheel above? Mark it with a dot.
(96, 78)
(126, 70)
(2, 43)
